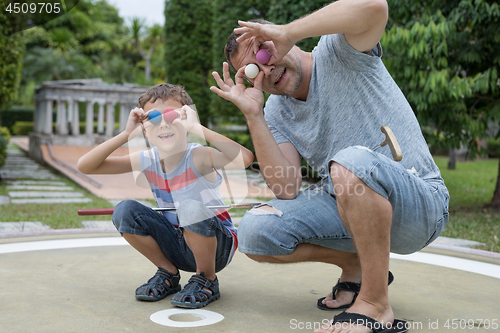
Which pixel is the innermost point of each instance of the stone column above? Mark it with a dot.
(62, 125)
(89, 119)
(37, 122)
(47, 125)
(100, 118)
(110, 118)
(124, 112)
(75, 125)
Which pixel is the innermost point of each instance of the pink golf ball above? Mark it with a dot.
(263, 56)
(169, 115)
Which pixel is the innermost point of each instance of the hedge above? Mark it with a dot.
(4, 141)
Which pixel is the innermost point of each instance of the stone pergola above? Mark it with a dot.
(66, 95)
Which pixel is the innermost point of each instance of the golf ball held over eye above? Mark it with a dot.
(169, 115)
(154, 117)
(263, 56)
(251, 71)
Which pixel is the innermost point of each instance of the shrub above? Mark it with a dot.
(4, 141)
(10, 116)
(493, 147)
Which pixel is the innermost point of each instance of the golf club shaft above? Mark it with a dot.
(109, 211)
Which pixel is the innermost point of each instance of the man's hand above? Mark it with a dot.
(275, 38)
(249, 100)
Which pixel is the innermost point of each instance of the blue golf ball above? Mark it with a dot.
(154, 117)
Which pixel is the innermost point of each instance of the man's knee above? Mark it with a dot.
(345, 183)
(258, 258)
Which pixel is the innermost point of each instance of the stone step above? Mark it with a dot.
(16, 166)
(35, 182)
(10, 227)
(40, 188)
(50, 200)
(44, 194)
(98, 224)
(40, 175)
(4, 200)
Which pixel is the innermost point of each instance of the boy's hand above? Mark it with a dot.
(137, 122)
(189, 120)
(280, 42)
(249, 100)
(134, 122)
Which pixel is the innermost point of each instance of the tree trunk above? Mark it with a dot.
(452, 159)
(147, 70)
(495, 203)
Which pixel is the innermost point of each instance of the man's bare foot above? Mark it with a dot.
(380, 312)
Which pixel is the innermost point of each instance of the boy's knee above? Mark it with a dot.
(192, 211)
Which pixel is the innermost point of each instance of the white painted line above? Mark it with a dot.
(61, 244)
(467, 265)
(452, 262)
(205, 317)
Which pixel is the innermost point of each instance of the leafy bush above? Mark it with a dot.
(4, 141)
(493, 147)
(22, 128)
(10, 116)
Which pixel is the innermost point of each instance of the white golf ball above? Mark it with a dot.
(251, 71)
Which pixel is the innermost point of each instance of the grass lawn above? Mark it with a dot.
(471, 187)
(57, 216)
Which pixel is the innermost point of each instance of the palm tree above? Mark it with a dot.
(153, 35)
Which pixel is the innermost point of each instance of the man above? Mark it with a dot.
(327, 106)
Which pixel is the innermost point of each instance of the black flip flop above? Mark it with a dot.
(347, 318)
(346, 286)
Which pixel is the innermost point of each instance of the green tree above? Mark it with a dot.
(89, 41)
(445, 56)
(225, 19)
(152, 37)
(188, 49)
(11, 52)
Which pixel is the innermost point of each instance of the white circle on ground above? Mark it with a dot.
(186, 317)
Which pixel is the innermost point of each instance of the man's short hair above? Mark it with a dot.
(165, 91)
(232, 45)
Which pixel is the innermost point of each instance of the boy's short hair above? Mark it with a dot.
(164, 91)
(232, 45)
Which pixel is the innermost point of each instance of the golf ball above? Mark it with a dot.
(251, 71)
(263, 56)
(169, 115)
(154, 117)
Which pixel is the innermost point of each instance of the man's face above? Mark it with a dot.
(281, 78)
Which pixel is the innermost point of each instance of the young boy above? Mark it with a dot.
(181, 175)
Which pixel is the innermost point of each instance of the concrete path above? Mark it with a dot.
(53, 284)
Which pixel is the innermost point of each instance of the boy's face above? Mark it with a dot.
(165, 135)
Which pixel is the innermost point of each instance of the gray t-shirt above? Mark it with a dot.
(351, 95)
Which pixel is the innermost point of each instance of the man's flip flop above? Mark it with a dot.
(356, 319)
(346, 286)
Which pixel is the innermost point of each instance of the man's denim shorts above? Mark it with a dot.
(420, 211)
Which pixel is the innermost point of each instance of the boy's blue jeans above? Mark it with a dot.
(131, 217)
